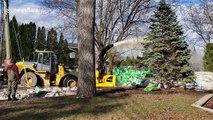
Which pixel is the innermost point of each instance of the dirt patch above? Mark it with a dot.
(209, 103)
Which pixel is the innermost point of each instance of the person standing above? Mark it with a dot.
(13, 78)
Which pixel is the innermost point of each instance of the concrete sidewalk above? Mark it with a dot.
(202, 101)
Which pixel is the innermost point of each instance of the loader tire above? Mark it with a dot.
(31, 80)
(70, 81)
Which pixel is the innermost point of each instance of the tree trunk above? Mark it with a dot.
(6, 30)
(86, 64)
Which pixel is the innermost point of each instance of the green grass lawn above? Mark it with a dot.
(123, 105)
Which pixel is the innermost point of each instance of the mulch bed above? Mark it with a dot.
(209, 103)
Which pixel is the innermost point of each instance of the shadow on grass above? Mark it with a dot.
(60, 107)
(106, 102)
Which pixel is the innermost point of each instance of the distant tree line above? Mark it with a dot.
(26, 38)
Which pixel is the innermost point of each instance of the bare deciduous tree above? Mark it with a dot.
(86, 49)
(64, 10)
(115, 20)
(200, 22)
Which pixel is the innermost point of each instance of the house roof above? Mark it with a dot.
(73, 47)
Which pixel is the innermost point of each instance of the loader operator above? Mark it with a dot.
(13, 78)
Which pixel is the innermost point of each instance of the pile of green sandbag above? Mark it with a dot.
(129, 77)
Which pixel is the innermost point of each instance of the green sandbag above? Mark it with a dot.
(37, 89)
(127, 76)
(149, 88)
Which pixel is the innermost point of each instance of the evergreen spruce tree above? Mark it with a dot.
(14, 38)
(22, 38)
(60, 49)
(52, 43)
(32, 36)
(166, 52)
(37, 38)
(208, 59)
(27, 37)
(41, 39)
(66, 52)
(63, 51)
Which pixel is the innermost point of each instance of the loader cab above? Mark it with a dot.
(45, 61)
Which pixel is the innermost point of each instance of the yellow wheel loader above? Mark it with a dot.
(44, 71)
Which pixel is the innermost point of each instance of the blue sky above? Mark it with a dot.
(19, 2)
(189, 1)
(32, 10)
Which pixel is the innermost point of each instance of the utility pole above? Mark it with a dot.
(2, 46)
(6, 27)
